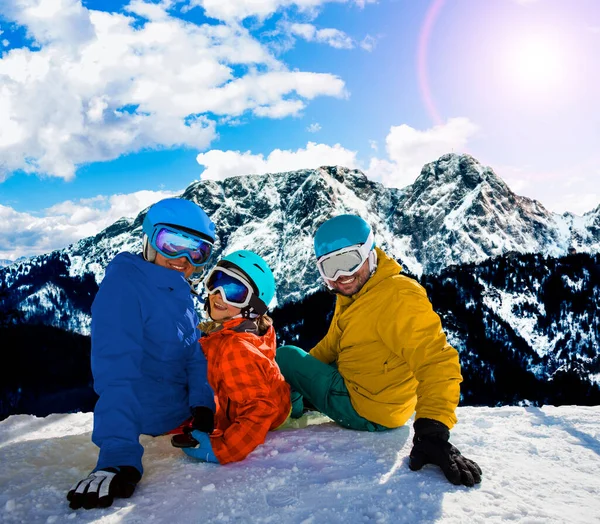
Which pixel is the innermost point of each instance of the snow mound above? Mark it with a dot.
(539, 465)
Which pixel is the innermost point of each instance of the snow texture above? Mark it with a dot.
(539, 465)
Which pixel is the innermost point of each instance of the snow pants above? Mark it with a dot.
(323, 386)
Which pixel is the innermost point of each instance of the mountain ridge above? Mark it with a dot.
(521, 311)
(456, 212)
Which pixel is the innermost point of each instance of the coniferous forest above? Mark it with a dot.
(527, 328)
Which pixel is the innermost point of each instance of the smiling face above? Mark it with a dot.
(220, 310)
(181, 264)
(350, 285)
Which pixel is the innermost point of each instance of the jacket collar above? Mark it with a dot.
(160, 277)
(239, 325)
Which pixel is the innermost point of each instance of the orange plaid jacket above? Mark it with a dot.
(251, 394)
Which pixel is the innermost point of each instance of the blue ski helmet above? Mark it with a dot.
(259, 274)
(179, 213)
(340, 232)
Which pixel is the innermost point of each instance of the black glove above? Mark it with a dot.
(204, 419)
(100, 488)
(431, 446)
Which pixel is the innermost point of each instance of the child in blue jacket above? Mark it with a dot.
(149, 370)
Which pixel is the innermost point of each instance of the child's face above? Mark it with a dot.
(181, 264)
(220, 310)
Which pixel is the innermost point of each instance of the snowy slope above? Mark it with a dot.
(585, 230)
(540, 466)
(522, 323)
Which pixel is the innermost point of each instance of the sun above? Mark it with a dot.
(535, 63)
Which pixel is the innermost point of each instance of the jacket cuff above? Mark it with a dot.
(428, 427)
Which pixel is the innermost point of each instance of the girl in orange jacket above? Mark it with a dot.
(251, 394)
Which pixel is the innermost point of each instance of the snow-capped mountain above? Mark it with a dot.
(7, 261)
(456, 212)
(471, 241)
(460, 212)
(584, 231)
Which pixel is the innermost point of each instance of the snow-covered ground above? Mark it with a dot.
(539, 466)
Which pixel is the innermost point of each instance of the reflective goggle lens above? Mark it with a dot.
(347, 262)
(235, 291)
(176, 244)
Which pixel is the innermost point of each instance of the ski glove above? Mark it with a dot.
(204, 419)
(431, 446)
(100, 488)
(203, 451)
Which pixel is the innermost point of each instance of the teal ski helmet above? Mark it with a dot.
(259, 275)
(342, 245)
(340, 232)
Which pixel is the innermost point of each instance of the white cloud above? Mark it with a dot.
(48, 21)
(315, 127)
(150, 11)
(102, 85)
(223, 164)
(578, 203)
(368, 43)
(330, 36)
(24, 234)
(240, 9)
(363, 3)
(573, 189)
(409, 149)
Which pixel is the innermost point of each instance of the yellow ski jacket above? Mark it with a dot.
(390, 349)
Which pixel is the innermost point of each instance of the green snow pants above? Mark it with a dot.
(323, 387)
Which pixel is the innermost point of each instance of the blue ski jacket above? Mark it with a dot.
(148, 367)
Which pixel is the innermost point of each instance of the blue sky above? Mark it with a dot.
(108, 106)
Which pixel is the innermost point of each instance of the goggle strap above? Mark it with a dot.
(257, 305)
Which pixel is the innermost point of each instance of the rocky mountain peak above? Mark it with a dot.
(453, 177)
(457, 212)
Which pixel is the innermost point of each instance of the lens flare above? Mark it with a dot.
(424, 37)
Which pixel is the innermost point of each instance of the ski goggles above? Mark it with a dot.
(345, 261)
(173, 243)
(234, 290)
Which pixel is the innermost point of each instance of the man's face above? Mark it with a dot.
(350, 285)
(181, 264)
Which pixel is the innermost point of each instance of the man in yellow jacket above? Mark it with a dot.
(385, 354)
